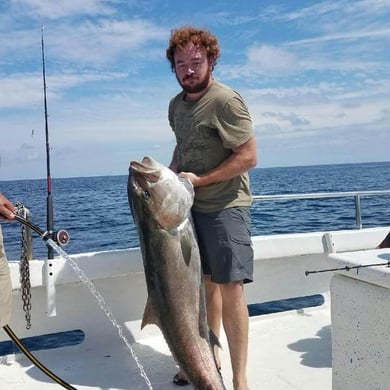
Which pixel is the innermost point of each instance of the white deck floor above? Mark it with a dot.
(290, 350)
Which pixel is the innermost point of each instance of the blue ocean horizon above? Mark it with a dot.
(95, 211)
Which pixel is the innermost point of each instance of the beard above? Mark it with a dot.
(198, 84)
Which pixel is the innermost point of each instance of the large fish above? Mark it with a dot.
(161, 203)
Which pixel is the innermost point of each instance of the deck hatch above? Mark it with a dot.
(46, 341)
(257, 309)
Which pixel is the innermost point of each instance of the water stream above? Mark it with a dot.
(83, 277)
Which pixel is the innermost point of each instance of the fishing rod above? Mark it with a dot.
(348, 268)
(61, 237)
(49, 200)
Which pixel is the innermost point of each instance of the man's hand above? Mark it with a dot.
(194, 179)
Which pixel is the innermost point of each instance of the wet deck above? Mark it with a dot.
(289, 350)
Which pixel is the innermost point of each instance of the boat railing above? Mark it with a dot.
(357, 195)
(26, 236)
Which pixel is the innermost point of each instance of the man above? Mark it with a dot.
(7, 212)
(215, 148)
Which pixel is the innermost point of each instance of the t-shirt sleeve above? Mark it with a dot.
(234, 123)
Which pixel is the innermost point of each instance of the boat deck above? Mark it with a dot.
(287, 350)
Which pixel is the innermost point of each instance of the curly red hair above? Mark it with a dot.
(203, 38)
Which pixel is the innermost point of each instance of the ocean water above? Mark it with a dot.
(95, 211)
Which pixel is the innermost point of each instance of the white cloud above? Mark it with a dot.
(270, 59)
(24, 89)
(20, 90)
(105, 41)
(87, 43)
(59, 9)
(338, 12)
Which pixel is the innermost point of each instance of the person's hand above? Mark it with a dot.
(194, 179)
(6, 208)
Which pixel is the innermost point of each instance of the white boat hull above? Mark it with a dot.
(289, 350)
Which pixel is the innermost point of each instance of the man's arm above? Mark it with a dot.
(243, 158)
(173, 164)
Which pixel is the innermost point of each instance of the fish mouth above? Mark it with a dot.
(145, 173)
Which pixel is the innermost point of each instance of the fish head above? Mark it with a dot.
(164, 198)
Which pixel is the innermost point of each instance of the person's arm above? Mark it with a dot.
(6, 208)
(243, 158)
(173, 165)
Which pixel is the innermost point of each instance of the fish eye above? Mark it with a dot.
(146, 195)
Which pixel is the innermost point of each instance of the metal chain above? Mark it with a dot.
(24, 267)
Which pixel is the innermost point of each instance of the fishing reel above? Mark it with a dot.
(61, 237)
(23, 215)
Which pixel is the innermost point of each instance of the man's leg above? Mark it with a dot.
(214, 311)
(236, 325)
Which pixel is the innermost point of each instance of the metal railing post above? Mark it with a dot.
(358, 212)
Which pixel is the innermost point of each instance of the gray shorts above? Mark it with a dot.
(225, 244)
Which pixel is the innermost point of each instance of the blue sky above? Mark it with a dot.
(315, 75)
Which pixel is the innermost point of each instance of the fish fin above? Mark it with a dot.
(186, 249)
(214, 341)
(149, 316)
(385, 243)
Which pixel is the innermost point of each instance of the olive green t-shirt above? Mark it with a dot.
(206, 132)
